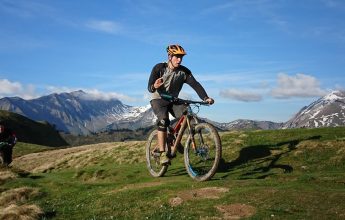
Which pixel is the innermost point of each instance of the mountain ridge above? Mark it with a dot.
(80, 113)
(76, 112)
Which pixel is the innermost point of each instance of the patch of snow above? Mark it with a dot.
(332, 96)
(313, 116)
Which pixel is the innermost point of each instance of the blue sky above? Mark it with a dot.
(259, 59)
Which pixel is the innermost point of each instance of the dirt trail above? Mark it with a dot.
(202, 193)
(228, 211)
(236, 211)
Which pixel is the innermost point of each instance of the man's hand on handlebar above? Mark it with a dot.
(209, 101)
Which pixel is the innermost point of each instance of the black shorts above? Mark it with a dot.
(162, 108)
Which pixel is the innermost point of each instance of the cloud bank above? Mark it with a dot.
(8, 88)
(106, 26)
(300, 85)
(294, 86)
(240, 95)
(12, 89)
(93, 94)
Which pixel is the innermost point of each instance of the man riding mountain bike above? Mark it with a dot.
(168, 78)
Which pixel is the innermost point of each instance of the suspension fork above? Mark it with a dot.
(191, 132)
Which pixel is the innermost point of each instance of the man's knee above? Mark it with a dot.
(163, 124)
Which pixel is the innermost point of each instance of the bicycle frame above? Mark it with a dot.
(180, 127)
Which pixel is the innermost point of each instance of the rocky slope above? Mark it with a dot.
(328, 111)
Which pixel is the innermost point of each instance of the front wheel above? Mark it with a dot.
(202, 159)
(153, 156)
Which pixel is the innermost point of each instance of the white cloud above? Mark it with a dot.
(93, 94)
(7, 87)
(300, 85)
(54, 89)
(11, 89)
(239, 95)
(104, 26)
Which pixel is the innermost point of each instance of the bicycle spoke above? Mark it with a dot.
(202, 162)
(153, 156)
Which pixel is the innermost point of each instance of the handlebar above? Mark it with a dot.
(173, 99)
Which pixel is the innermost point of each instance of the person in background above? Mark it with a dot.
(168, 78)
(7, 141)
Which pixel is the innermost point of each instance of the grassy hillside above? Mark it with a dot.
(30, 131)
(107, 136)
(281, 174)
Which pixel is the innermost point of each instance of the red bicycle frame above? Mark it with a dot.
(179, 129)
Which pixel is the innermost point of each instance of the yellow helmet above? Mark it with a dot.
(175, 49)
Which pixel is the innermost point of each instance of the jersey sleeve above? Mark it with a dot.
(155, 74)
(190, 80)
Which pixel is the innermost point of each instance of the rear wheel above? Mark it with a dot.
(153, 156)
(202, 161)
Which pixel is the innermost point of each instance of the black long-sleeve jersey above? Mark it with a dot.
(173, 81)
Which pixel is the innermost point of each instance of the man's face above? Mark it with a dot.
(176, 60)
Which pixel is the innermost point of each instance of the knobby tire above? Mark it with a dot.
(202, 163)
(152, 161)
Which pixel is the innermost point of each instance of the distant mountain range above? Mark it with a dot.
(80, 114)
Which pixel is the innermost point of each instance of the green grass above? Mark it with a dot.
(284, 174)
(21, 149)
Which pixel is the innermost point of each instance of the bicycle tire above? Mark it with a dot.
(202, 163)
(152, 160)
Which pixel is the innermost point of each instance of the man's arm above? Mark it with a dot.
(196, 86)
(155, 74)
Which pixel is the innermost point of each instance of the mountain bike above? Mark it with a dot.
(202, 150)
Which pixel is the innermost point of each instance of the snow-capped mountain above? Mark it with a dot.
(79, 113)
(328, 111)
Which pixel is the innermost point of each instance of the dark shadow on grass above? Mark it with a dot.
(180, 171)
(49, 215)
(20, 172)
(262, 156)
(35, 177)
